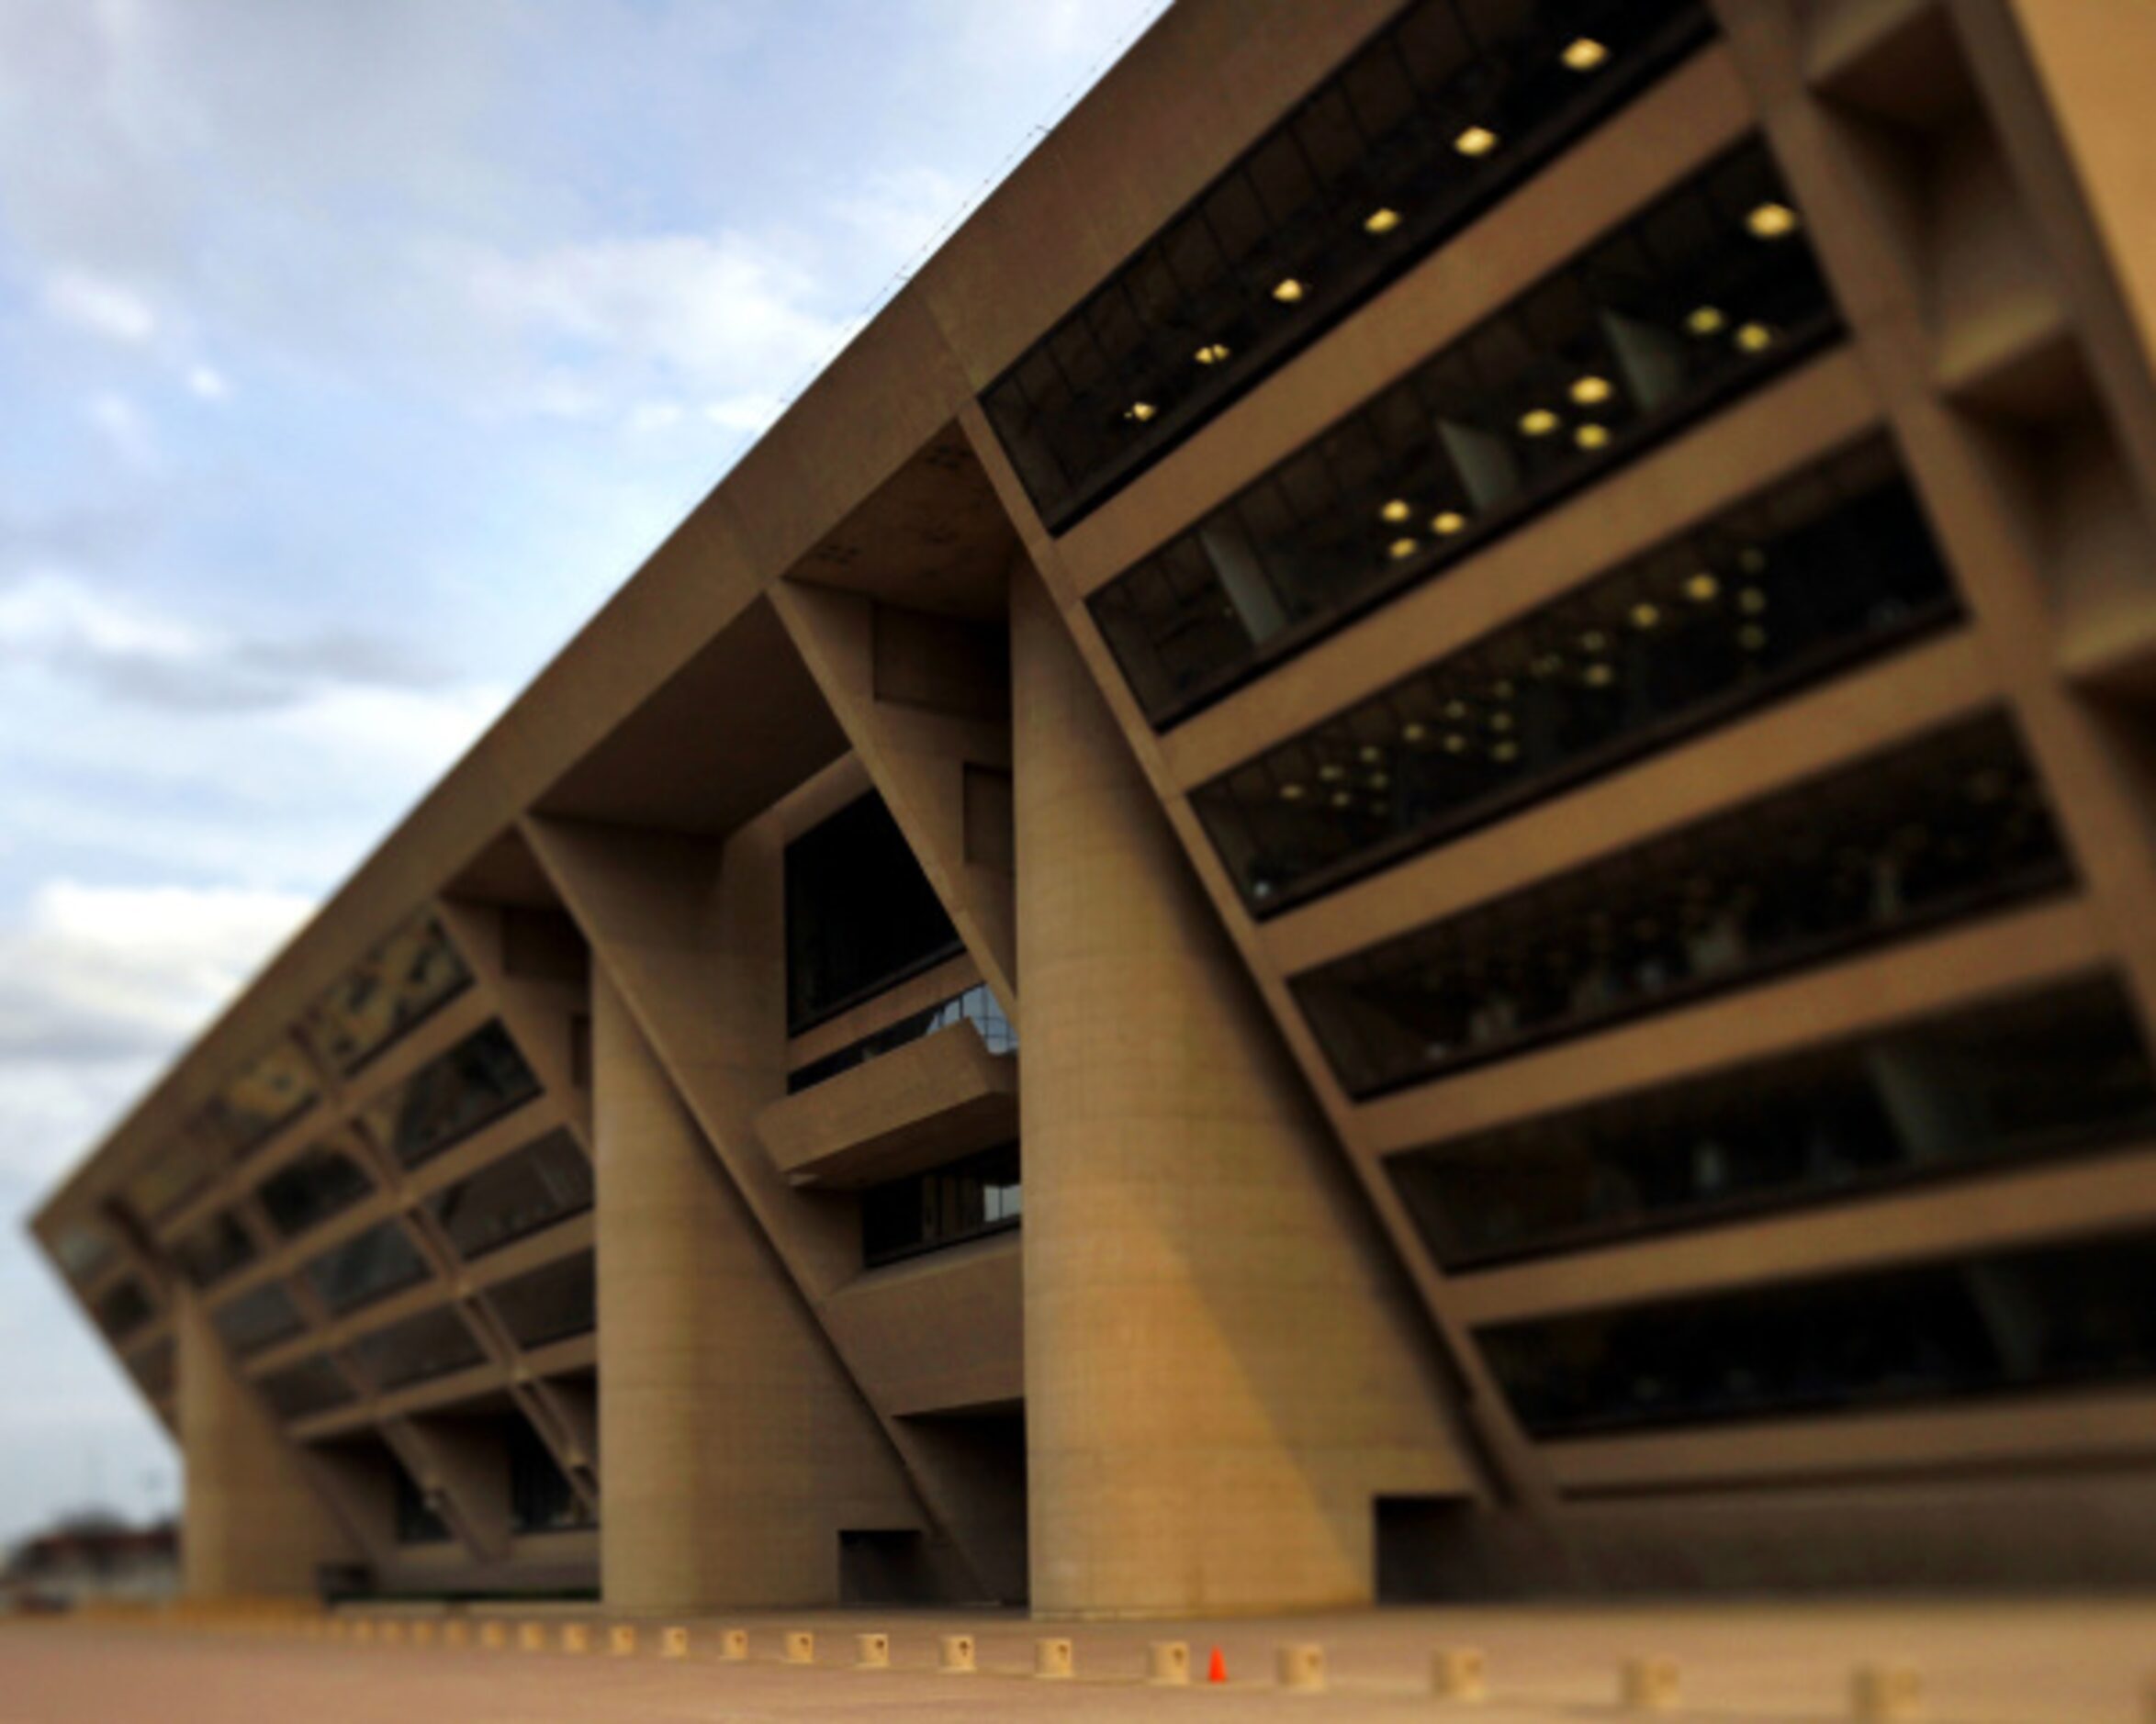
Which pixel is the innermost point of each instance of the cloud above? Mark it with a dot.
(123, 425)
(103, 307)
(207, 383)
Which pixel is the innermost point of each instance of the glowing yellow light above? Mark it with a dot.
(1447, 522)
(1369, 754)
(1772, 221)
(1400, 548)
(1212, 353)
(1395, 510)
(1504, 751)
(1288, 292)
(1706, 320)
(1593, 641)
(1751, 637)
(1455, 710)
(1755, 338)
(1644, 616)
(1600, 675)
(1583, 53)
(1377, 780)
(1591, 391)
(1476, 140)
(1591, 436)
(1413, 731)
(1501, 690)
(1291, 792)
(1455, 745)
(1342, 799)
(1751, 601)
(1538, 422)
(1548, 666)
(1332, 772)
(1702, 587)
(1500, 721)
(1141, 411)
(1381, 221)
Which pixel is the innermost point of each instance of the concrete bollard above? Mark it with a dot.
(1886, 1694)
(1300, 1667)
(392, 1633)
(493, 1636)
(1460, 1673)
(1053, 1660)
(673, 1642)
(1167, 1663)
(423, 1634)
(733, 1645)
(954, 1654)
(531, 1637)
(872, 1652)
(456, 1636)
(1648, 1684)
(800, 1646)
(576, 1637)
(621, 1639)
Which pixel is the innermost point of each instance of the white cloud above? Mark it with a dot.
(99, 306)
(208, 383)
(125, 426)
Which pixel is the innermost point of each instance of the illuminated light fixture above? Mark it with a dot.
(1504, 751)
(1377, 780)
(1291, 792)
(1455, 709)
(1211, 353)
(1500, 691)
(1141, 411)
(1751, 559)
(1400, 548)
(1476, 140)
(1381, 221)
(1288, 291)
(1455, 745)
(1369, 754)
(1548, 666)
(1701, 588)
(1591, 391)
(1705, 320)
(1395, 510)
(1751, 601)
(1598, 675)
(1593, 641)
(1583, 53)
(1538, 422)
(1332, 772)
(1644, 616)
(1755, 338)
(1771, 222)
(1447, 522)
(1413, 731)
(1342, 799)
(1751, 637)
(1500, 721)
(1591, 436)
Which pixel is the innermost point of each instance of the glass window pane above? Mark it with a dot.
(431, 1344)
(518, 1195)
(366, 1267)
(549, 1304)
(313, 1386)
(944, 1206)
(257, 1318)
(977, 1005)
(214, 1250)
(541, 1497)
(480, 1079)
(122, 1309)
(319, 1182)
(401, 982)
(276, 1089)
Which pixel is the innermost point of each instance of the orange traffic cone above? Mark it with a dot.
(1216, 1670)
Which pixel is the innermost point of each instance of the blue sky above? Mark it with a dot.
(350, 356)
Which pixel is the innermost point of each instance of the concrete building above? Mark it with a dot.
(1469, 685)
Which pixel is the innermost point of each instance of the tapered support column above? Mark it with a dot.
(1220, 1371)
(735, 1450)
(252, 1525)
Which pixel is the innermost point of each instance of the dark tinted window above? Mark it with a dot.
(1771, 596)
(318, 1183)
(860, 915)
(2049, 1318)
(947, 1206)
(1440, 113)
(976, 1006)
(83, 1251)
(366, 1267)
(417, 1521)
(549, 1304)
(276, 1089)
(153, 1367)
(172, 1175)
(256, 1318)
(399, 983)
(1898, 843)
(479, 1080)
(432, 1344)
(214, 1250)
(2057, 1073)
(521, 1192)
(1705, 295)
(314, 1386)
(540, 1497)
(123, 1309)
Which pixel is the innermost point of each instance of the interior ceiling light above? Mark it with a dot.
(1504, 751)
(1755, 338)
(1600, 675)
(1591, 391)
(1381, 221)
(1455, 744)
(1751, 601)
(1400, 548)
(1332, 772)
(1644, 616)
(1395, 510)
(1212, 353)
(1706, 320)
(1476, 140)
(1583, 53)
(1291, 792)
(1751, 637)
(1413, 731)
(1591, 436)
(1538, 422)
(1141, 411)
(1702, 587)
(1772, 221)
(1288, 291)
(1448, 522)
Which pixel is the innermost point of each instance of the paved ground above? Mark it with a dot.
(2050, 1663)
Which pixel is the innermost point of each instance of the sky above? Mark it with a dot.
(351, 356)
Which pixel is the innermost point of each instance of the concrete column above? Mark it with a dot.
(734, 1447)
(1222, 1370)
(253, 1526)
